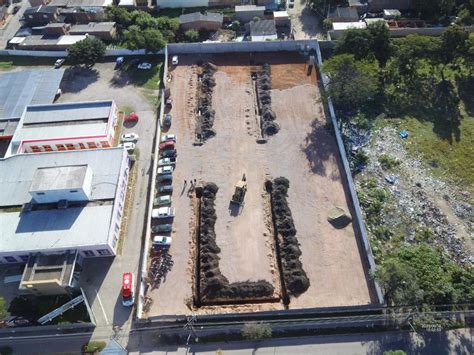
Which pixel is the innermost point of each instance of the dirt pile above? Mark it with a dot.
(267, 116)
(205, 119)
(213, 285)
(295, 278)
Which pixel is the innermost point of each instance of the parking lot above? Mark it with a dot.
(304, 151)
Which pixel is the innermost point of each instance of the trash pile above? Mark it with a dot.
(205, 119)
(267, 116)
(295, 278)
(214, 285)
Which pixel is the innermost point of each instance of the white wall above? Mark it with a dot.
(182, 3)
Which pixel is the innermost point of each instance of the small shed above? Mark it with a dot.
(246, 13)
(343, 14)
(210, 21)
(263, 30)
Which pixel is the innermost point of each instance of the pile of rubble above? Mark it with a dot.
(295, 278)
(213, 285)
(206, 114)
(267, 116)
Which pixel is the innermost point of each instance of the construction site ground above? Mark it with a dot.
(304, 151)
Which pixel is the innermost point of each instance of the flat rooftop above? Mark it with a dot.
(41, 267)
(27, 87)
(59, 178)
(17, 173)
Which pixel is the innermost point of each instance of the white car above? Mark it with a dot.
(165, 170)
(128, 146)
(174, 60)
(130, 137)
(162, 241)
(144, 66)
(168, 137)
(58, 63)
(163, 212)
(167, 161)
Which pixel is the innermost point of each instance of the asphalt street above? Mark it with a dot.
(13, 26)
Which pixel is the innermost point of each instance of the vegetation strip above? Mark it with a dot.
(206, 114)
(267, 116)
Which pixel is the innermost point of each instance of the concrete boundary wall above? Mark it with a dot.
(360, 225)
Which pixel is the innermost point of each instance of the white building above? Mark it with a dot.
(62, 201)
(67, 126)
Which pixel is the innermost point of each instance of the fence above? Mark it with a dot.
(359, 221)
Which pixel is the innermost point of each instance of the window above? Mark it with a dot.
(105, 144)
(40, 193)
(88, 253)
(47, 148)
(60, 147)
(35, 149)
(11, 259)
(103, 252)
(72, 191)
(24, 257)
(82, 146)
(114, 242)
(70, 146)
(117, 227)
(91, 145)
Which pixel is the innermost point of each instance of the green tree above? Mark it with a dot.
(88, 51)
(133, 38)
(118, 15)
(255, 331)
(352, 83)
(380, 41)
(356, 42)
(453, 46)
(235, 26)
(191, 36)
(154, 40)
(3, 308)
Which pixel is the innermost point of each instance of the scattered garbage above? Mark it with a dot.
(403, 134)
(391, 179)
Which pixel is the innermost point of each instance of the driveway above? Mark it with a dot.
(306, 24)
(102, 277)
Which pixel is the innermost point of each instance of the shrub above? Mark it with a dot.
(191, 36)
(387, 162)
(88, 51)
(94, 347)
(254, 331)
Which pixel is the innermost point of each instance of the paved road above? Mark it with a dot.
(306, 24)
(13, 25)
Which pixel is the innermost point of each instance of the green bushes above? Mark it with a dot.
(93, 347)
(387, 162)
(294, 276)
(214, 285)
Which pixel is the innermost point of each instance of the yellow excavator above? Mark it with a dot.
(239, 192)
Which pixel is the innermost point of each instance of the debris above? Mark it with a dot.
(338, 217)
(403, 134)
(390, 179)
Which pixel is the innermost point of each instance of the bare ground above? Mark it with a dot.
(303, 151)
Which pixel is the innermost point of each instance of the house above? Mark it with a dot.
(83, 15)
(263, 30)
(19, 89)
(210, 21)
(56, 202)
(35, 3)
(103, 30)
(49, 43)
(379, 5)
(56, 29)
(360, 5)
(343, 14)
(181, 3)
(66, 126)
(247, 13)
(41, 15)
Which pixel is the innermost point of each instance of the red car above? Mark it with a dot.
(132, 117)
(167, 145)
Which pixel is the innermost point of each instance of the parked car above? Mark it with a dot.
(59, 63)
(168, 153)
(168, 137)
(130, 137)
(162, 200)
(144, 66)
(119, 61)
(17, 322)
(131, 117)
(165, 170)
(174, 60)
(169, 102)
(128, 289)
(167, 121)
(167, 161)
(165, 189)
(128, 146)
(166, 177)
(167, 145)
(161, 241)
(163, 212)
(162, 228)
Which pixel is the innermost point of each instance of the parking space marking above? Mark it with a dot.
(102, 307)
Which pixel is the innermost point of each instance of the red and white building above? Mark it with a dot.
(65, 126)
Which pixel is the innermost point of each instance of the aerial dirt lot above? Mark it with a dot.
(304, 151)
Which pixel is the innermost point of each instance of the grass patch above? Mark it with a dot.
(148, 81)
(93, 347)
(6, 66)
(447, 160)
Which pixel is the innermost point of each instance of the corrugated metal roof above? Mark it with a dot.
(67, 112)
(262, 28)
(93, 27)
(17, 171)
(28, 87)
(197, 16)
